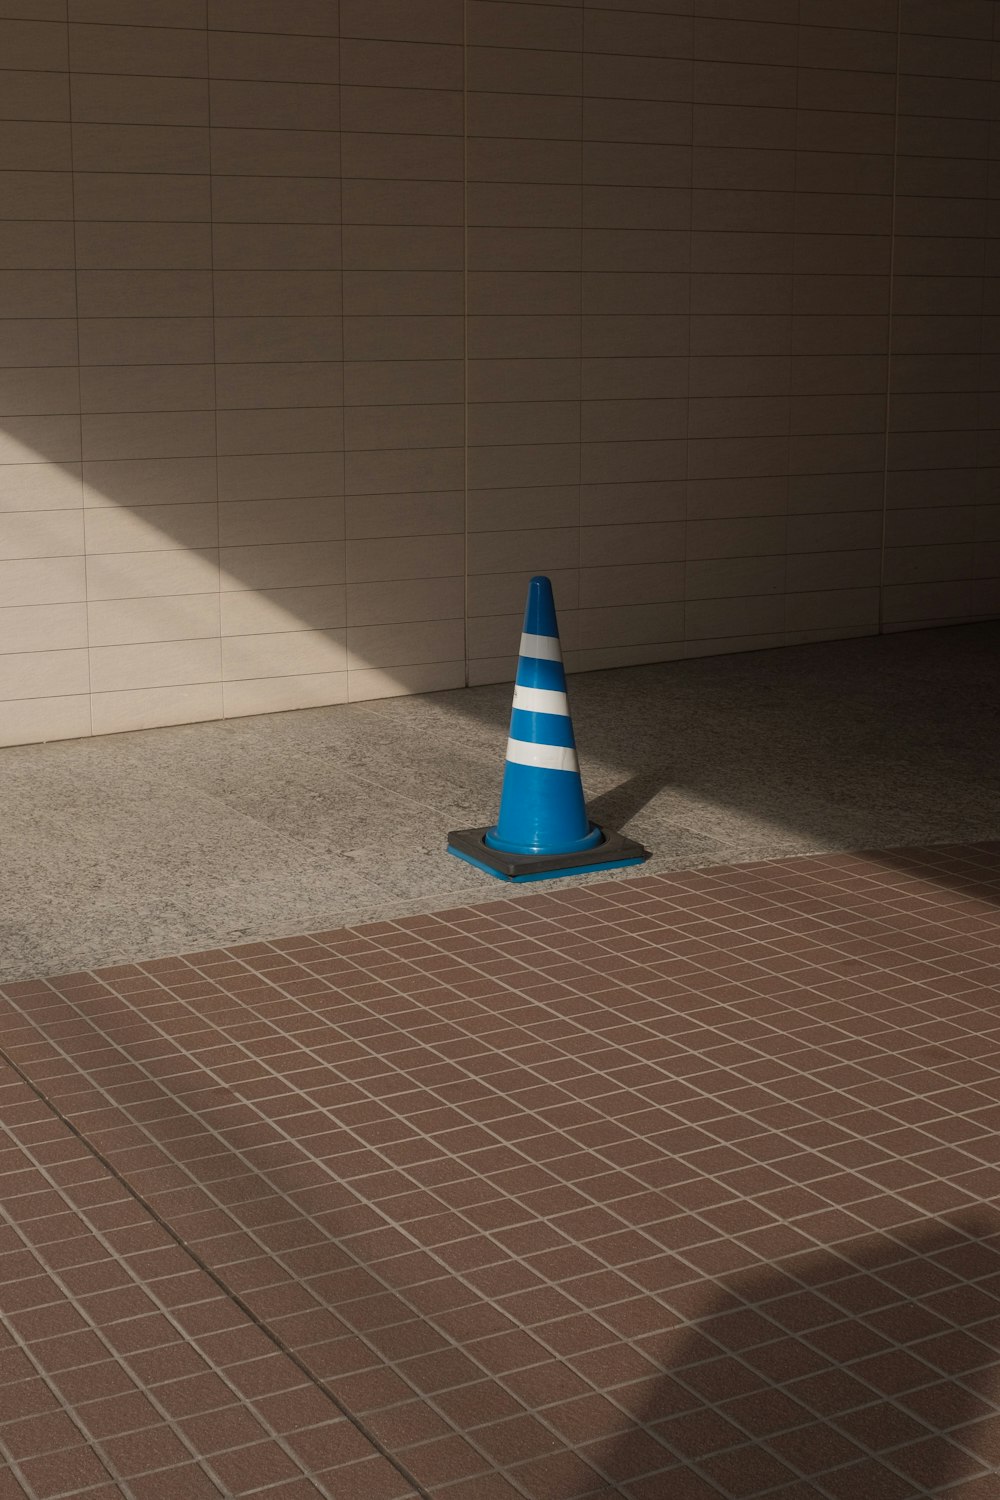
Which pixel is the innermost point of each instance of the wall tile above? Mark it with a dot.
(609, 586)
(138, 294)
(389, 247)
(268, 611)
(734, 577)
(505, 551)
(148, 708)
(187, 247)
(372, 560)
(411, 426)
(43, 627)
(430, 110)
(274, 106)
(402, 20)
(153, 197)
(253, 199)
(274, 476)
(37, 294)
(140, 148)
(291, 59)
(394, 382)
(129, 622)
(833, 607)
(433, 677)
(154, 12)
(144, 341)
(33, 44)
(34, 10)
(278, 694)
(438, 512)
(48, 580)
(833, 570)
(403, 645)
(25, 246)
(32, 719)
(926, 564)
(253, 386)
(753, 615)
(393, 64)
(286, 653)
(140, 575)
(657, 500)
(119, 99)
(404, 601)
(42, 674)
(25, 439)
(246, 523)
(184, 434)
(538, 117)
(759, 536)
(496, 609)
(381, 154)
(35, 146)
(136, 50)
(282, 565)
(149, 481)
(38, 391)
(525, 248)
(525, 71)
(491, 23)
(629, 625)
(275, 153)
(153, 665)
(297, 17)
(312, 429)
(369, 472)
(36, 195)
(281, 339)
(105, 388)
(41, 534)
(151, 528)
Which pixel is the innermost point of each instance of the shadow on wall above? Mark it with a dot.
(868, 1369)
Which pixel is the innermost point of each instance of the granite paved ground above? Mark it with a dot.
(126, 846)
(671, 1188)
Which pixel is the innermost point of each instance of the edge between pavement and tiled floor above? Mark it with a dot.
(672, 1188)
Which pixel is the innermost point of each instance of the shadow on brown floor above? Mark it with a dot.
(868, 1370)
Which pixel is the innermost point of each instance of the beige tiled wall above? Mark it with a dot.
(323, 327)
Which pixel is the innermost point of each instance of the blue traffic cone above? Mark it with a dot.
(543, 830)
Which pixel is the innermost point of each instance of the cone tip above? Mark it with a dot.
(540, 610)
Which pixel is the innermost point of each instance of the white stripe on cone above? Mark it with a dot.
(548, 757)
(541, 700)
(542, 647)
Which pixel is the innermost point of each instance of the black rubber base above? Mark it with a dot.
(614, 849)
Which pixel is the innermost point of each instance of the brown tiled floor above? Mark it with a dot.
(671, 1188)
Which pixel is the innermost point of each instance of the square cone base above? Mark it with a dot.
(612, 853)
